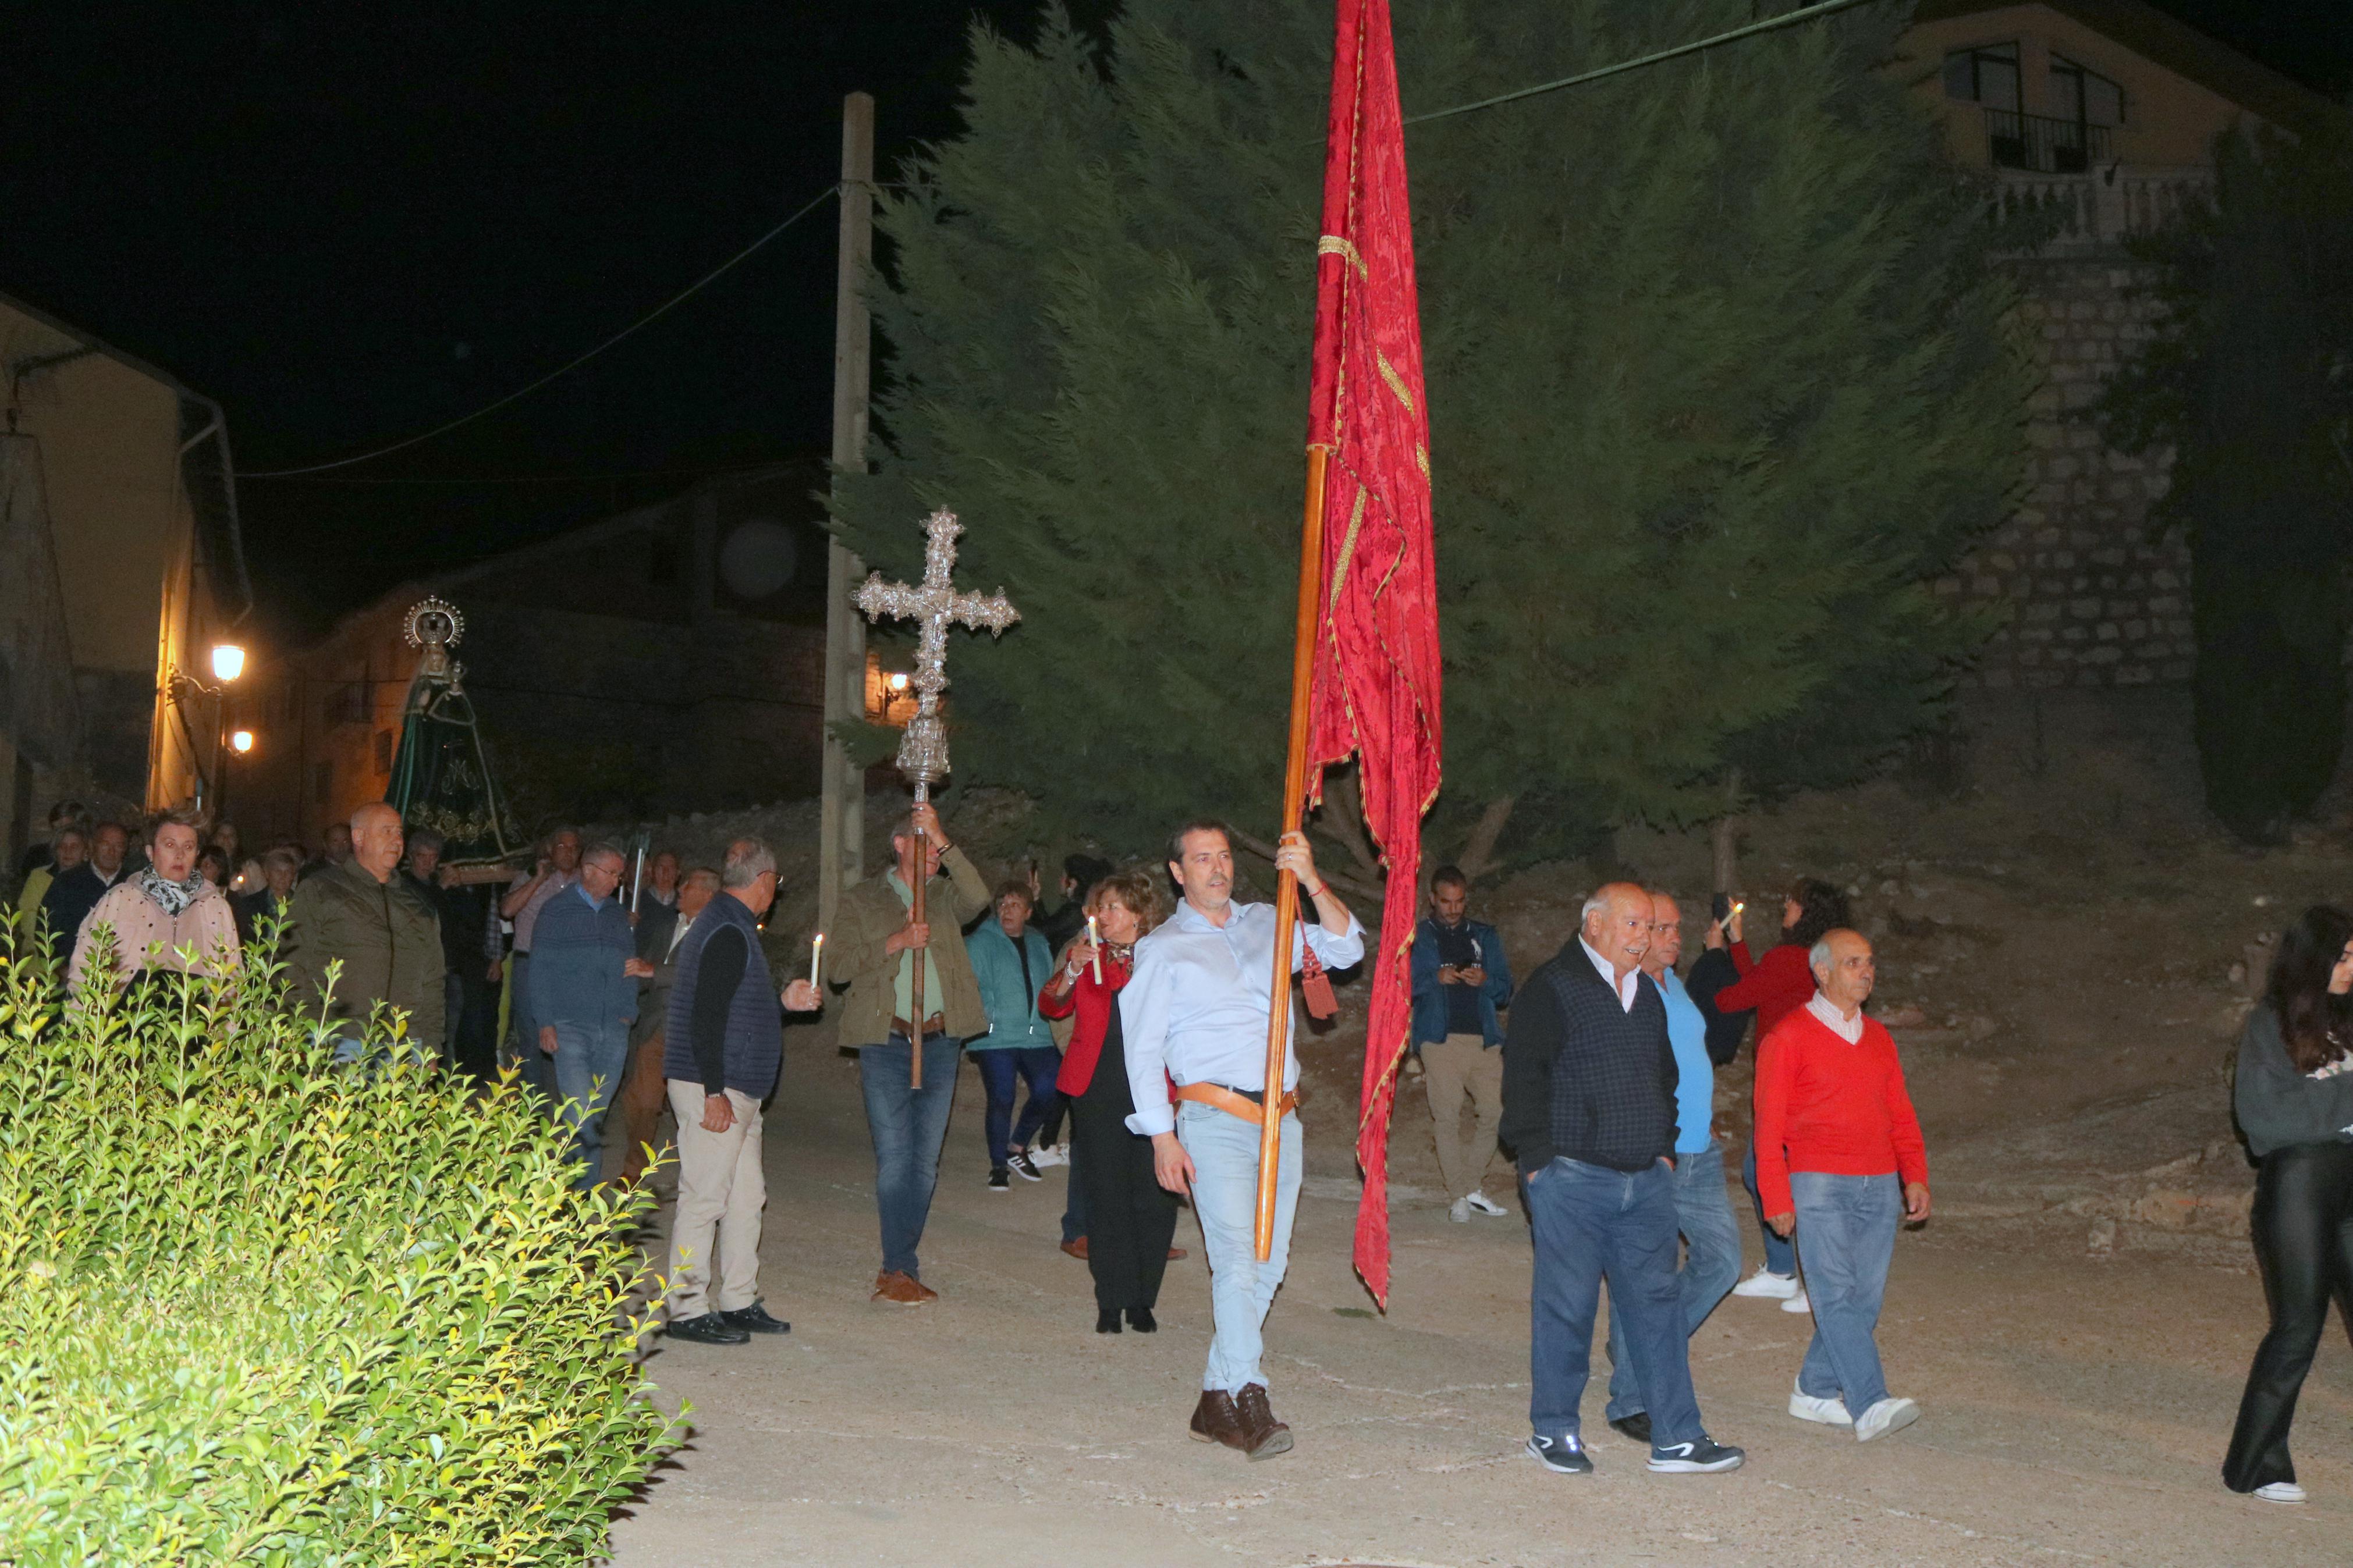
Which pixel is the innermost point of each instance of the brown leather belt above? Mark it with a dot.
(934, 1024)
(1248, 1104)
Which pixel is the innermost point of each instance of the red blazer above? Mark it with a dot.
(1776, 985)
(1092, 1001)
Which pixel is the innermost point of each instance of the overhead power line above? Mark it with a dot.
(1770, 24)
(645, 321)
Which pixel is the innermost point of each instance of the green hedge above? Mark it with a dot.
(260, 1309)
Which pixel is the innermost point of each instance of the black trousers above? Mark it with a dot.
(1131, 1217)
(2303, 1244)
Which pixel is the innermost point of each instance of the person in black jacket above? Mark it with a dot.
(2294, 1100)
(1589, 1112)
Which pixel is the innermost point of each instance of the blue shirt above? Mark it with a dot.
(1197, 1008)
(1695, 1074)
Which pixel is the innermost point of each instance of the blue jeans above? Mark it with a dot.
(1225, 1195)
(1848, 1227)
(1002, 1073)
(908, 1126)
(1591, 1222)
(589, 1061)
(1710, 1265)
(1780, 1252)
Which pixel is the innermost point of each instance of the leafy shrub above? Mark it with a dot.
(263, 1310)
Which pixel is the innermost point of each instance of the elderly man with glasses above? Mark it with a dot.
(583, 977)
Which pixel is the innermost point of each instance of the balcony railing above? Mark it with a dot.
(2041, 145)
(2100, 211)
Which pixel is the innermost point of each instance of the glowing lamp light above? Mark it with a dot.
(240, 741)
(228, 661)
(898, 680)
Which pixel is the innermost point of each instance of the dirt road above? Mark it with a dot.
(2075, 1407)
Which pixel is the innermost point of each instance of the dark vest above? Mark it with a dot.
(755, 1028)
(1613, 1078)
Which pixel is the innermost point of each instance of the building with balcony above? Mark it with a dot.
(2101, 116)
(120, 567)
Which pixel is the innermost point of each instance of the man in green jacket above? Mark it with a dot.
(877, 945)
(385, 931)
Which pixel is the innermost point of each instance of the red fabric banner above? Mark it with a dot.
(1377, 661)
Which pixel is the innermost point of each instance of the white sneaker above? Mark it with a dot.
(1460, 1213)
(1828, 1412)
(2281, 1492)
(1890, 1414)
(1765, 1283)
(1797, 1302)
(1486, 1204)
(1046, 1154)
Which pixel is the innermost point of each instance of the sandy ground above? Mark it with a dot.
(2075, 1406)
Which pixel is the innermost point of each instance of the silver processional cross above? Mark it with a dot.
(924, 749)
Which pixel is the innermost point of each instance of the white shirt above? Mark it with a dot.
(1195, 1009)
(1627, 988)
(1849, 1029)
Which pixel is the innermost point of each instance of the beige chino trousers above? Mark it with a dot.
(1463, 1064)
(720, 1191)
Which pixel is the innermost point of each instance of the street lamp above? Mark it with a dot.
(240, 741)
(228, 661)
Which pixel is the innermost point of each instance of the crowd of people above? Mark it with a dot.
(1136, 1010)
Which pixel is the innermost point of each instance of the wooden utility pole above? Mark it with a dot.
(842, 809)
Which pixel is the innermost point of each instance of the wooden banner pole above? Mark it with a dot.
(915, 974)
(1295, 813)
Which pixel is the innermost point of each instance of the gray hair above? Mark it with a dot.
(425, 839)
(1594, 904)
(747, 860)
(702, 876)
(604, 847)
(1819, 956)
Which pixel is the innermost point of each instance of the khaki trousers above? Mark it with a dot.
(720, 1191)
(1461, 1065)
(640, 1104)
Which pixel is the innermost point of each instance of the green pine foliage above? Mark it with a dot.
(2247, 379)
(1717, 373)
(264, 1310)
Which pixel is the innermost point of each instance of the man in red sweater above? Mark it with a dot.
(1840, 1158)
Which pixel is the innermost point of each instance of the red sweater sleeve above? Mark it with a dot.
(1902, 1122)
(1774, 986)
(1052, 1006)
(1777, 1071)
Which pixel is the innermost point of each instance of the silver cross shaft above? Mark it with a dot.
(924, 749)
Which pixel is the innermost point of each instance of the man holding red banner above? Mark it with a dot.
(1196, 1012)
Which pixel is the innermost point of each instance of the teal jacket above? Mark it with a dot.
(1011, 996)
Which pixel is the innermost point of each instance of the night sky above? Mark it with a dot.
(349, 223)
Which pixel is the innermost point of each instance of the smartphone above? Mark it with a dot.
(1721, 908)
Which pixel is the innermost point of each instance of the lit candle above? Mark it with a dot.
(1096, 943)
(817, 947)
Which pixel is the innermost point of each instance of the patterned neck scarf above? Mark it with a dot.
(173, 897)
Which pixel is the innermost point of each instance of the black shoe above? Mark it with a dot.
(1705, 1456)
(710, 1329)
(1637, 1427)
(1107, 1320)
(1562, 1456)
(754, 1319)
(1141, 1320)
(998, 1182)
(1023, 1168)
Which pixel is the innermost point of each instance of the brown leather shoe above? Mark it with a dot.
(902, 1290)
(1215, 1419)
(1175, 1253)
(1077, 1248)
(1263, 1435)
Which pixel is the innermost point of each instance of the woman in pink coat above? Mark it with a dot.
(167, 916)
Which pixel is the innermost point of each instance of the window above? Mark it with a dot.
(2085, 97)
(350, 703)
(322, 783)
(384, 753)
(1987, 74)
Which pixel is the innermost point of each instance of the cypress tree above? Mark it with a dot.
(1717, 369)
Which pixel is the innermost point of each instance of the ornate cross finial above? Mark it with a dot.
(924, 749)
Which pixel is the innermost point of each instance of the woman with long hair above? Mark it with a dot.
(2294, 1099)
(1777, 986)
(1131, 1217)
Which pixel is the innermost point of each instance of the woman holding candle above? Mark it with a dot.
(1131, 1217)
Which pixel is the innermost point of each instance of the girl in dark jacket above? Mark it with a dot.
(2293, 1097)
(1131, 1217)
